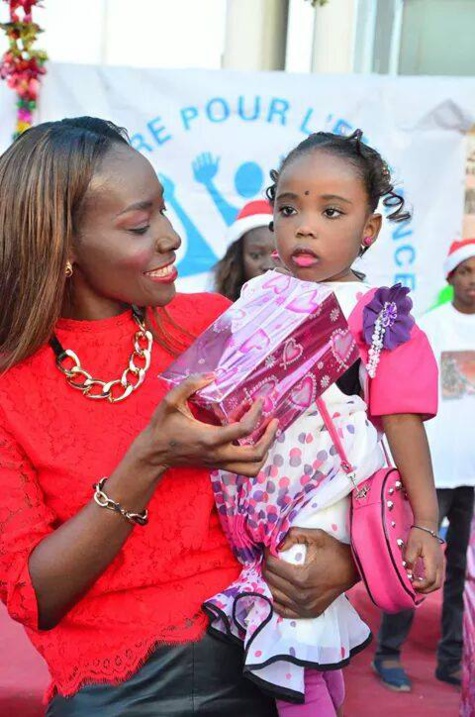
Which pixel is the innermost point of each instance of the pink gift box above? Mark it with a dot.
(283, 340)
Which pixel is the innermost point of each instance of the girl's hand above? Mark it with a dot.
(425, 548)
(307, 590)
(174, 437)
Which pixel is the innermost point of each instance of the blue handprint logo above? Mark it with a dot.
(248, 181)
(205, 169)
(199, 256)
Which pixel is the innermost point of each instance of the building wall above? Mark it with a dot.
(438, 38)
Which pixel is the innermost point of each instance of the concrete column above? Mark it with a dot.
(333, 39)
(256, 34)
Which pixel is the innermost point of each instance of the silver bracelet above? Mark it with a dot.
(431, 532)
(103, 500)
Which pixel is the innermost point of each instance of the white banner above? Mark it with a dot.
(213, 136)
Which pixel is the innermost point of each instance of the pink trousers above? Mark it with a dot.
(324, 695)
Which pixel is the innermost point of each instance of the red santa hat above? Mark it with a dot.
(252, 216)
(459, 251)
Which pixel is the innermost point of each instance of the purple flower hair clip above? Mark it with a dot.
(387, 322)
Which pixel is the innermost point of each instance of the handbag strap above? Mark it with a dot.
(334, 435)
(337, 442)
(387, 455)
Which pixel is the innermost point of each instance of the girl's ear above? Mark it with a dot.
(372, 229)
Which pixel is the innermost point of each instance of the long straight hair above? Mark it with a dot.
(44, 177)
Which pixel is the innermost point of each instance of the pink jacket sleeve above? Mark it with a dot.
(406, 379)
(24, 522)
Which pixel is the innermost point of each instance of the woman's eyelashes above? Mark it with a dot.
(143, 228)
(140, 230)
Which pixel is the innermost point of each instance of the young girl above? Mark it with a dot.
(325, 198)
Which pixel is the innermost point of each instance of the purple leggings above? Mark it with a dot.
(324, 695)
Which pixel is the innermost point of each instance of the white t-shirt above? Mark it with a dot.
(452, 432)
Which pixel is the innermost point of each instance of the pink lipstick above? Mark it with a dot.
(304, 260)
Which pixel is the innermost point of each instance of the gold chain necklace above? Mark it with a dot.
(118, 389)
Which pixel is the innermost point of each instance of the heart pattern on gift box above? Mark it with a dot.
(303, 394)
(342, 345)
(236, 314)
(258, 347)
(292, 352)
(238, 319)
(267, 391)
(258, 341)
(305, 304)
(278, 283)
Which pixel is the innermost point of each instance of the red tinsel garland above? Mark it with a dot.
(21, 65)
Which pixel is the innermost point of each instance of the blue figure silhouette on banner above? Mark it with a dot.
(199, 256)
(248, 182)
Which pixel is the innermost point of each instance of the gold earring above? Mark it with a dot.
(68, 270)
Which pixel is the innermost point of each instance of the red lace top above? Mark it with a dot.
(54, 443)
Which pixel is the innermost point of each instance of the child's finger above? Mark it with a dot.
(411, 554)
(422, 584)
(430, 570)
(419, 584)
(432, 580)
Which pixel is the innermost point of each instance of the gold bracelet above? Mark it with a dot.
(103, 500)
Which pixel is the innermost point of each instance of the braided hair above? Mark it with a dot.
(371, 167)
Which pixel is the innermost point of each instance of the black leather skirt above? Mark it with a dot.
(203, 678)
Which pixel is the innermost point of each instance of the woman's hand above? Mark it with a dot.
(307, 590)
(422, 547)
(174, 437)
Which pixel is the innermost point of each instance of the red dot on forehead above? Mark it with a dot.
(306, 192)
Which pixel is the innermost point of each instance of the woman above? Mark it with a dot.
(109, 580)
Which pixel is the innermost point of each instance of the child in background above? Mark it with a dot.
(250, 250)
(325, 197)
(451, 330)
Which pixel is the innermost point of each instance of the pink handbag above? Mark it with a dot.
(380, 520)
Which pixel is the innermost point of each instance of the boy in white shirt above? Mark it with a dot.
(451, 331)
